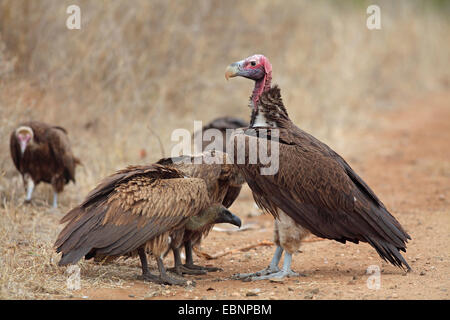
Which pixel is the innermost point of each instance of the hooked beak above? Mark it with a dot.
(225, 216)
(233, 69)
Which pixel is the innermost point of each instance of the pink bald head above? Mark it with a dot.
(263, 83)
(256, 67)
(261, 60)
(24, 135)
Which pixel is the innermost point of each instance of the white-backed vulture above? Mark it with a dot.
(314, 188)
(42, 152)
(222, 180)
(134, 212)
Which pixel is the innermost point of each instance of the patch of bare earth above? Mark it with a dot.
(406, 160)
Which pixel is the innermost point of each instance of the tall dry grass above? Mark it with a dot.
(137, 70)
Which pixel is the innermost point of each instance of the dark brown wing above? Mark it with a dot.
(60, 148)
(39, 130)
(223, 182)
(14, 148)
(217, 176)
(231, 196)
(320, 191)
(128, 209)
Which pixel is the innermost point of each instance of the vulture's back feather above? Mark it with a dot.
(223, 181)
(129, 209)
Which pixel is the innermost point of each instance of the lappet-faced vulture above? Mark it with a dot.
(134, 212)
(42, 152)
(314, 189)
(222, 179)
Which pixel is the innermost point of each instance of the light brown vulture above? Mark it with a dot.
(222, 124)
(42, 152)
(314, 190)
(134, 212)
(223, 181)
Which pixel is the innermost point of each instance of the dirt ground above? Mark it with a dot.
(406, 160)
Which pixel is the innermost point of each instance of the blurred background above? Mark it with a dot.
(139, 69)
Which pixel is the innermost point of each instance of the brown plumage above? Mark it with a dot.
(222, 124)
(42, 153)
(314, 188)
(222, 181)
(135, 211)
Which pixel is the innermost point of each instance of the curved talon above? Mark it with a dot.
(172, 281)
(245, 276)
(183, 269)
(277, 275)
(150, 277)
(163, 279)
(206, 269)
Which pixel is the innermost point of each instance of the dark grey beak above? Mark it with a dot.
(225, 216)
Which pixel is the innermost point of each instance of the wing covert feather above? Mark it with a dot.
(129, 209)
(315, 189)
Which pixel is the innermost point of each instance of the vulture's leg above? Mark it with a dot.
(284, 272)
(145, 271)
(55, 199)
(177, 262)
(165, 278)
(190, 261)
(58, 186)
(179, 268)
(271, 269)
(30, 188)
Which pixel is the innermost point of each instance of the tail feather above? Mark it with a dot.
(389, 252)
(73, 256)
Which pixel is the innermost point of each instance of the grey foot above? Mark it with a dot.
(180, 270)
(277, 275)
(248, 276)
(166, 279)
(163, 279)
(150, 277)
(206, 269)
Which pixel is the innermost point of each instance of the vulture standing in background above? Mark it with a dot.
(42, 153)
(315, 190)
(222, 180)
(137, 211)
(221, 124)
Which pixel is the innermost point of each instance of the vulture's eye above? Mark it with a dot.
(253, 63)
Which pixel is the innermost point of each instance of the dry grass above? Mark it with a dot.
(145, 67)
(28, 260)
